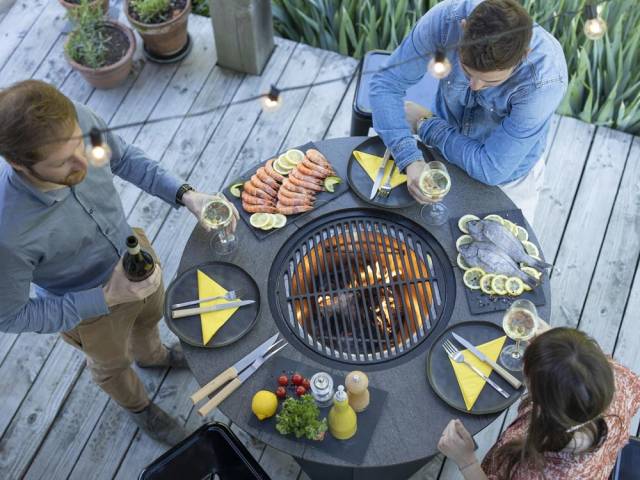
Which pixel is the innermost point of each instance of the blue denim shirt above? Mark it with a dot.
(496, 134)
(67, 241)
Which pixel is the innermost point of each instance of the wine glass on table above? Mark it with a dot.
(520, 323)
(435, 183)
(217, 217)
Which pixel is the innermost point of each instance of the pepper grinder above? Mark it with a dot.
(357, 384)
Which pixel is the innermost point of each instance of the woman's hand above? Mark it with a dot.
(457, 444)
(195, 202)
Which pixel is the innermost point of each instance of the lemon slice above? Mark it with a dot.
(236, 189)
(259, 220)
(531, 249)
(522, 233)
(462, 263)
(498, 284)
(295, 156)
(495, 218)
(285, 163)
(462, 223)
(279, 220)
(269, 224)
(331, 182)
(280, 169)
(472, 278)
(463, 240)
(532, 272)
(485, 284)
(514, 286)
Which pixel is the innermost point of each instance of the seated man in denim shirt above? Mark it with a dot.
(63, 230)
(492, 112)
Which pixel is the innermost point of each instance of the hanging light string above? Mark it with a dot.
(439, 66)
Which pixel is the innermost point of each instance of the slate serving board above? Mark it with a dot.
(480, 302)
(352, 450)
(321, 199)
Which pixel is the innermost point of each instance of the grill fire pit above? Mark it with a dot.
(352, 287)
(360, 286)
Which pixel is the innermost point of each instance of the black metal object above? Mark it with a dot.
(212, 451)
(361, 286)
(478, 301)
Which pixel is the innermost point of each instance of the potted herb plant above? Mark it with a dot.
(99, 48)
(162, 24)
(72, 4)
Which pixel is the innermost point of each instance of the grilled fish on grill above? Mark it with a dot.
(492, 259)
(490, 231)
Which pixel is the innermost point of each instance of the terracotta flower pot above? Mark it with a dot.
(71, 6)
(163, 39)
(111, 75)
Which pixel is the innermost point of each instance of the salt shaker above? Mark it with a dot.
(322, 389)
(357, 384)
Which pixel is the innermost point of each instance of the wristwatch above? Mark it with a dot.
(420, 122)
(184, 188)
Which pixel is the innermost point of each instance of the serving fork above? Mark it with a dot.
(458, 357)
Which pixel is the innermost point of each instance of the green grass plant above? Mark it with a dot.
(87, 43)
(151, 11)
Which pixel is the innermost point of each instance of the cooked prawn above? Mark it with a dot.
(310, 172)
(291, 201)
(254, 191)
(259, 184)
(286, 192)
(292, 187)
(314, 166)
(303, 181)
(292, 210)
(272, 173)
(316, 157)
(247, 198)
(266, 178)
(259, 208)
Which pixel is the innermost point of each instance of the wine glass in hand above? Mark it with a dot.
(435, 183)
(217, 217)
(519, 323)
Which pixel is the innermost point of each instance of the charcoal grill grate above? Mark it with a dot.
(361, 286)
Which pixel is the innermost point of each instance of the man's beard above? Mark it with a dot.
(70, 180)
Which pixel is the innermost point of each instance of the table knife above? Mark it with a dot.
(380, 174)
(187, 312)
(513, 381)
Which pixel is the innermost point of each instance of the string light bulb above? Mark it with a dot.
(99, 153)
(439, 65)
(272, 101)
(594, 27)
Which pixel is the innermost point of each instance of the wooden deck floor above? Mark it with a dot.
(55, 423)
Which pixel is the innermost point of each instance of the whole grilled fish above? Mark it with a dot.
(491, 259)
(490, 231)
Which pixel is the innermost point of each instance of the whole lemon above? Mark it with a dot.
(264, 404)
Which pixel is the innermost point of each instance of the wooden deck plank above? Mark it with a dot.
(16, 25)
(340, 125)
(617, 260)
(585, 230)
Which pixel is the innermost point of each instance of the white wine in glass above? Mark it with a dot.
(217, 216)
(435, 183)
(520, 323)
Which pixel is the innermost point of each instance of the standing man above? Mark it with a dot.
(492, 112)
(63, 229)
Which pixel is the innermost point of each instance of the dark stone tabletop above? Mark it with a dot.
(414, 417)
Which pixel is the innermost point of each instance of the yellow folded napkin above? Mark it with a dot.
(212, 321)
(470, 382)
(371, 164)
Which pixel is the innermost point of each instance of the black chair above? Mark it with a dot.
(628, 464)
(422, 92)
(211, 452)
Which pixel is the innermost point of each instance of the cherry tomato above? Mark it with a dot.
(300, 391)
(296, 379)
(281, 392)
(306, 384)
(283, 380)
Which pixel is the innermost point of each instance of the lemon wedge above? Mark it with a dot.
(331, 182)
(236, 189)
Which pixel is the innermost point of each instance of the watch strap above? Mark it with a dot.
(184, 188)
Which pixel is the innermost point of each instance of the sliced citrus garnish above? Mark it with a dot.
(462, 223)
(509, 225)
(472, 278)
(498, 284)
(532, 272)
(485, 284)
(269, 224)
(280, 169)
(259, 220)
(531, 249)
(236, 189)
(331, 182)
(462, 263)
(514, 286)
(522, 234)
(279, 220)
(495, 218)
(295, 156)
(463, 240)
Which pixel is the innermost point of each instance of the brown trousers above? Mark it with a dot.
(111, 342)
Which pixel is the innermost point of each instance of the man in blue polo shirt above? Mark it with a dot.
(63, 230)
(492, 112)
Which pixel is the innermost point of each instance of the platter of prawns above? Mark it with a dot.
(287, 185)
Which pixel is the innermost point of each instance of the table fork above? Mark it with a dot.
(458, 357)
(385, 190)
(230, 295)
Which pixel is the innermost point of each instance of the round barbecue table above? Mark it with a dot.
(413, 417)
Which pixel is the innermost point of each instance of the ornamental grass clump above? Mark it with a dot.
(88, 41)
(152, 11)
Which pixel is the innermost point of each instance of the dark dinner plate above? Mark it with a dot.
(361, 183)
(185, 288)
(443, 379)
